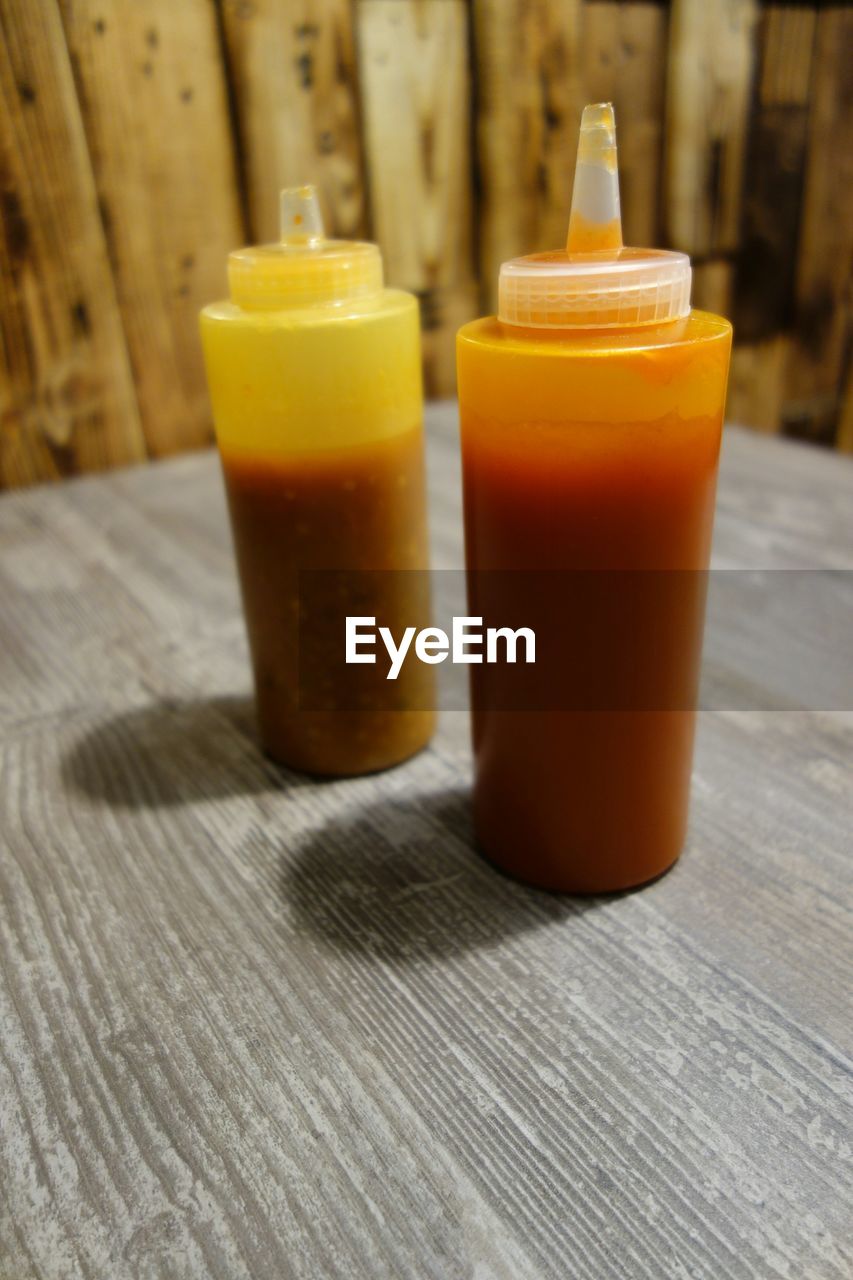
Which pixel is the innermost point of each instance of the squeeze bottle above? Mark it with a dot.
(314, 373)
(591, 413)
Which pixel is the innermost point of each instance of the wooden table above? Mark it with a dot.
(257, 1026)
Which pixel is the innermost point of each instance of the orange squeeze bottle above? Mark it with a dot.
(591, 412)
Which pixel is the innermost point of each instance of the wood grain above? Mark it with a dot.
(295, 81)
(255, 1026)
(141, 141)
(67, 401)
(623, 49)
(709, 80)
(757, 382)
(763, 285)
(528, 111)
(413, 56)
(712, 291)
(152, 88)
(817, 370)
(773, 182)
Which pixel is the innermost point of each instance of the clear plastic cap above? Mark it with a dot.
(595, 282)
(303, 269)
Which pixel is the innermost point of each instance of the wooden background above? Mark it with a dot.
(143, 139)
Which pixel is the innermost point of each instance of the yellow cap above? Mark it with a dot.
(595, 282)
(304, 269)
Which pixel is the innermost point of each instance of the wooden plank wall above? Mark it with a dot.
(141, 139)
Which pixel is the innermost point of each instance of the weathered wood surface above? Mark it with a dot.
(140, 142)
(820, 361)
(529, 102)
(761, 281)
(622, 52)
(417, 100)
(253, 1026)
(295, 78)
(67, 399)
(153, 94)
(709, 81)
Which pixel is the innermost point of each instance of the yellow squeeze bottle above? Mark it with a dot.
(314, 371)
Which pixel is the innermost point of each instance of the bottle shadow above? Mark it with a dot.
(399, 879)
(402, 881)
(174, 752)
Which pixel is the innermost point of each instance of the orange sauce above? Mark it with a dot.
(596, 453)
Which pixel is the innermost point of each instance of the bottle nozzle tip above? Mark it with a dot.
(599, 115)
(300, 219)
(595, 224)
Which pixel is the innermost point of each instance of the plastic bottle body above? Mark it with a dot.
(590, 452)
(318, 416)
